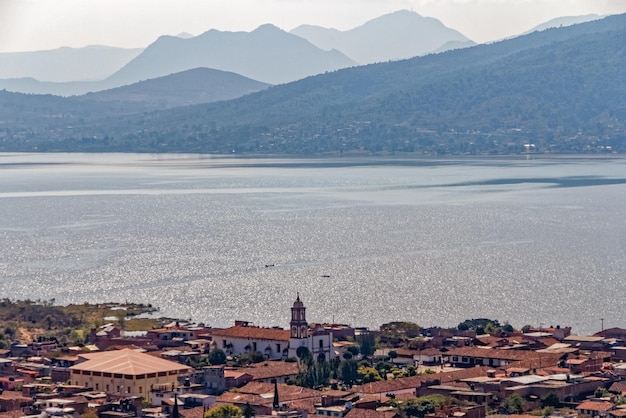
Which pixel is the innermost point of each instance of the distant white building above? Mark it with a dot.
(318, 341)
(276, 343)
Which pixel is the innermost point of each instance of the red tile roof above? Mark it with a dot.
(595, 406)
(197, 412)
(271, 369)
(255, 333)
(618, 387)
(127, 362)
(370, 413)
(405, 383)
(257, 393)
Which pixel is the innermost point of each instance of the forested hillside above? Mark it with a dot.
(560, 90)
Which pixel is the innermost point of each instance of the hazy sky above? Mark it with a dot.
(47, 24)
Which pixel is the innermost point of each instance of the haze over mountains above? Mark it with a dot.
(564, 21)
(400, 35)
(560, 90)
(91, 63)
(199, 85)
(267, 54)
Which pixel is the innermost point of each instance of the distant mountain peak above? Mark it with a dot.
(564, 21)
(267, 28)
(268, 54)
(398, 35)
(184, 35)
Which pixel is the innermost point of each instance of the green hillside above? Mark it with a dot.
(561, 90)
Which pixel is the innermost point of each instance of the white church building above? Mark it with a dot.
(276, 343)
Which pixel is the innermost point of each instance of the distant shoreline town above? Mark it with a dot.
(70, 361)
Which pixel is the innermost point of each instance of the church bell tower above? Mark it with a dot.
(298, 325)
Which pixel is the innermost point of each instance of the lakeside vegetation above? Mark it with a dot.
(27, 320)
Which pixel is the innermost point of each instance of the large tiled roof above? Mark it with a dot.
(285, 392)
(595, 406)
(271, 369)
(127, 362)
(618, 387)
(257, 393)
(369, 413)
(511, 355)
(404, 383)
(255, 333)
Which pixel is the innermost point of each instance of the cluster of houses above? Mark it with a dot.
(151, 375)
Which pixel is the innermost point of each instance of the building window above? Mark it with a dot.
(254, 346)
(107, 388)
(223, 343)
(97, 386)
(278, 348)
(321, 343)
(140, 389)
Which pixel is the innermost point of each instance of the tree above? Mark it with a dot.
(550, 399)
(248, 411)
(353, 349)
(256, 357)
(348, 372)
(367, 343)
(217, 357)
(90, 413)
(507, 327)
(418, 408)
(302, 352)
(513, 404)
(601, 392)
(314, 374)
(224, 411)
(399, 328)
(368, 374)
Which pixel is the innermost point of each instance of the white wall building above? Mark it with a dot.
(276, 343)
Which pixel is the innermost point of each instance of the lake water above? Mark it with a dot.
(434, 241)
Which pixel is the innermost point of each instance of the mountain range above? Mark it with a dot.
(267, 54)
(199, 85)
(399, 35)
(90, 63)
(559, 90)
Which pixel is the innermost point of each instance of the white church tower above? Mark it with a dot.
(319, 342)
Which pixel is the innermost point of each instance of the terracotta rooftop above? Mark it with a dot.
(197, 412)
(241, 398)
(369, 413)
(12, 414)
(285, 392)
(271, 369)
(256, 393)
(14, 396)
(127, 362)
(513, 355)
(618, 387)
(596, 406)
(255, 333)
(405, 383)
(233, 374)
